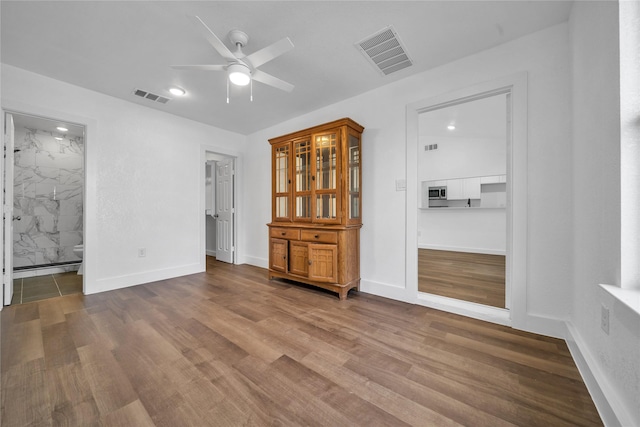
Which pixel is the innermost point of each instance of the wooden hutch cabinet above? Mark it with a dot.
(314, 234)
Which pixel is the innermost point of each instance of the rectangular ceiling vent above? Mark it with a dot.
(430, 147)
(385, 51)
(151, 96)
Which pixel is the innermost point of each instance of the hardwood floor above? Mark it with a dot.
(478, 278)
(229, 347)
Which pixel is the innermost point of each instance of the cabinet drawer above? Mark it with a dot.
(319, 236)
(286, 233)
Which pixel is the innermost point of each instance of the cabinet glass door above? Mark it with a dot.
(302, 180)
(281, 182)
(326, 174)
(354, 176)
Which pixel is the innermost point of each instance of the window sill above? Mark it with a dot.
(629, 297)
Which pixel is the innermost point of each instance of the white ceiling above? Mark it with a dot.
(113, 47)
(477, 119)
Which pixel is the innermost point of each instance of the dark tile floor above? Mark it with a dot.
(30, 289)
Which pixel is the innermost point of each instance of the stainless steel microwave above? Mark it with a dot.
(438, 193)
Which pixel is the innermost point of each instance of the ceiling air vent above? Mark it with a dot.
(385, 51)
(430, 147)
(151, 96)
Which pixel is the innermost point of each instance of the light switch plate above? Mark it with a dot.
(401, 184)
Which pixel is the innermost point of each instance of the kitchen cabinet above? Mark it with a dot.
(463, 188)
(314, 235)
(493, 179)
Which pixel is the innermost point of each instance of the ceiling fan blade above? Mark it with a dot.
(213, 39)
(268, 79)
(200, 67)
(268, 53)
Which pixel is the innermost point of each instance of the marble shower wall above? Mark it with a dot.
(48, 191)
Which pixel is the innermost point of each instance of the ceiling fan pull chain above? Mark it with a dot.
(251, 97)
(227, 90)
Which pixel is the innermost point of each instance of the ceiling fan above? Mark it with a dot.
(241, 69)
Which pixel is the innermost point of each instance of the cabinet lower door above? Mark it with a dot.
(323, 263)
(298, 253)
(278, 254)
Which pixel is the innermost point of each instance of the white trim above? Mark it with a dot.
(90, 197)
(124, 281)
(210, 252)
(252, 260)
(485, 251)
(516, 274)
(604, 396)
(465, 308)
(237, 156)
(628, 297)
(629, 17)
(385, 290)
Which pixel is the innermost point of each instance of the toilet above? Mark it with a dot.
(78, 250)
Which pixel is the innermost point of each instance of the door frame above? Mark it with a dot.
(7, 217)
(88, 197)
(237, 183)
(516, 268)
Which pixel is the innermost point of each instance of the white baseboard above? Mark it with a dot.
(462, 249)
(251, 260)
(119, 282)
(604, 397)
(384, 290)
(550, 327)
(465, 308)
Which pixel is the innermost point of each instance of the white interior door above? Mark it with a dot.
(224, 210)
(7, 208)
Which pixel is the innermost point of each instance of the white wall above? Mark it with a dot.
(461, 158)
(145, 176)
(613, 358)
(477, 230)
(463, 230)
(545, 56)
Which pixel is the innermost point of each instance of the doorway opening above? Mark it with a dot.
(220, 212)
(514, 87)
(43, 199)
(462, 221)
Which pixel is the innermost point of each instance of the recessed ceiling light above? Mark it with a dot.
(62, 128)
(177, 91)
(451, 127)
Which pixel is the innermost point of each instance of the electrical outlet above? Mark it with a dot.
(142, 252)
(604, 319)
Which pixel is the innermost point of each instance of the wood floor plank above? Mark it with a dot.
(290, 395)
(386, 399)
(70, 397)
(473, 277)
(230, 347)
(24, 342)
(359, 411)
(111, 388)
(50, 312)
(24, 394)
(132, 414)
(59, 348)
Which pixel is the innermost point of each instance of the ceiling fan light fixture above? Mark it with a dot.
(239, 74)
